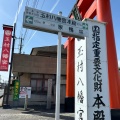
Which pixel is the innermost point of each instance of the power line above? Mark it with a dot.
(34, 31)
(35, 4)
(26, 31)
(18, 11)
(27, 2)
(30, 39)
(10, 48)
(42, 4)
(54, 6)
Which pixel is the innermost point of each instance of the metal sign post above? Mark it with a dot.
(26, 102)
(48, 22)
(57, 24)
(57, 111)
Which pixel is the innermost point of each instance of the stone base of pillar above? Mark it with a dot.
(115, 114)
(69, 104)
(6, 106)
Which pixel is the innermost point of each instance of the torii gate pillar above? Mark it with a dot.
(90, 9)
(104, 14)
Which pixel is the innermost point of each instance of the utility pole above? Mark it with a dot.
(8, 87)
(21, 39)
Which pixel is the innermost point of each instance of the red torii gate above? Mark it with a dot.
(102, 10)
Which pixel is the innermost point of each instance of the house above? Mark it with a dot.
(35, 70)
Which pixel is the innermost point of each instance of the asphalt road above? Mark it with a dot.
(1, 93)
(31, 114)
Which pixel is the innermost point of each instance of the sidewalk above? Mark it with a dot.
(33, 113)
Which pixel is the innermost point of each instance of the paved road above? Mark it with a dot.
(1, 93)
(31, 114)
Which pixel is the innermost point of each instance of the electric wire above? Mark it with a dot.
(20, 3)
(54, 6)
(34, 1)
(35, 4)
(16, 17)
(42, 4)
(18, 11)
(10, 48)
(27, 2)
(26, 30)
(36, 31)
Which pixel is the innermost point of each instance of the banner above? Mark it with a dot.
(6, 47)
(16, 90)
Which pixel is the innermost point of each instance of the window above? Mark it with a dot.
(39, 86)
(33, 85)
(39, 83)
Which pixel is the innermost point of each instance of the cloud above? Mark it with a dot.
(54, 6)
(119, 63)
(18, 11)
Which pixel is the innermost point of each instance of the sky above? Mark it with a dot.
(10, 12)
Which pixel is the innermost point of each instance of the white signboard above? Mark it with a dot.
(25, 91)
(80, 80)
(48, 22)
(91, 75)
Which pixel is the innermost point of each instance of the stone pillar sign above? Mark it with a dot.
(49, 94)
(91, 75)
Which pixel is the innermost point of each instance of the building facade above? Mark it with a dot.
(35, 70)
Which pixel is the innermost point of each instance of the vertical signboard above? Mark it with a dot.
(6, 48)
(49, 93)
(94, 76)
(16, 90)
(97, 72)
(80, 80)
